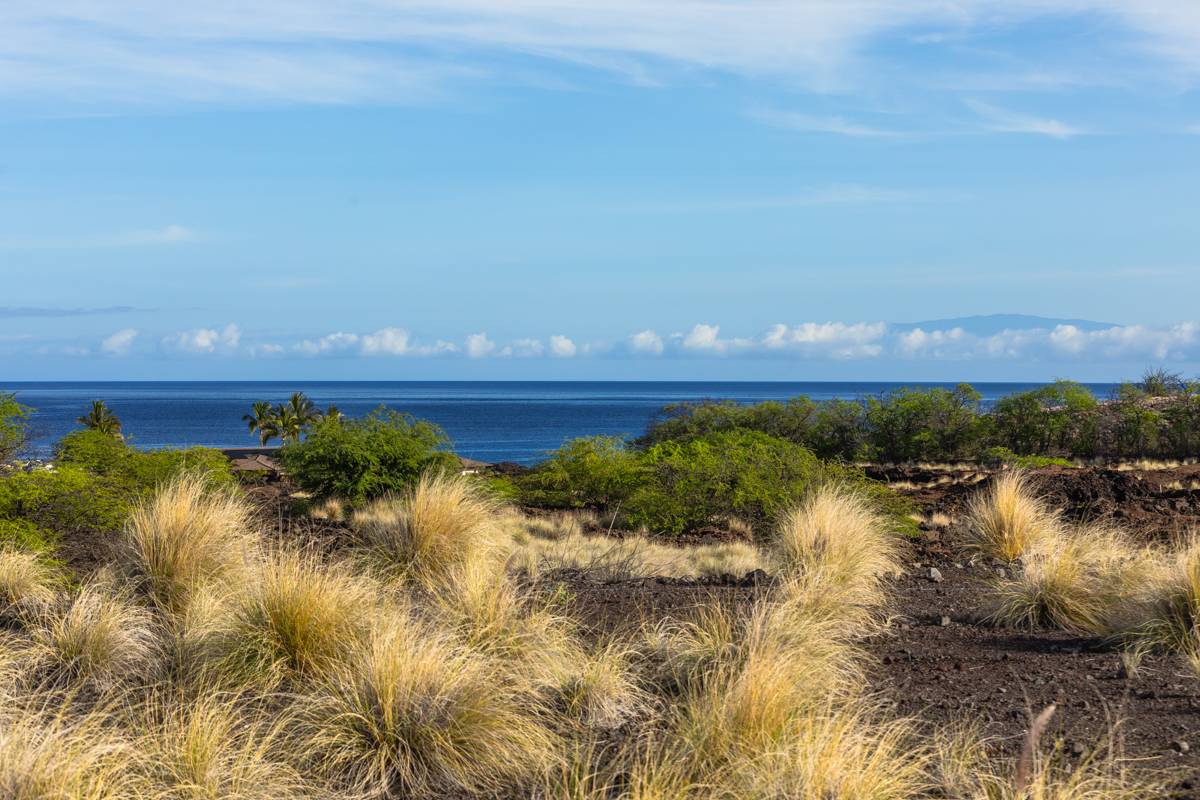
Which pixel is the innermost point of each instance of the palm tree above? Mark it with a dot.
(303, 409)
(287, 422)
(102, 419)
(261, 421)
(332, 412)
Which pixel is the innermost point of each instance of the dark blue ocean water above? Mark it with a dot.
(489, 421)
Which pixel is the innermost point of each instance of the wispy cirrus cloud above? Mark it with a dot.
(135, 54)
(818, 124)
(1004, 121)
(146, 237)
(19, 312)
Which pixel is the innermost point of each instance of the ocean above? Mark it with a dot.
(487, 420)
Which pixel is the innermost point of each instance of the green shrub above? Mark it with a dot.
(13, 426)
(1180, 420)
(678, 486)
(1161, 382)
(792, 420)
(68, 498)
(360, 459)
(840, 430)
(590, 472)
(95, 481)
(925, 424)
(1062, 418)
(1132, 424)
(745, 473)
(1158, 416)
(1002, 456)
(139, 470)
(831, 429)
(24, 535)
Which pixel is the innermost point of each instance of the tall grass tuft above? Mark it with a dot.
(601, 692)
(678, 654)
(416, 714)
(483, 608)
(1006, 520)
(63, 754)
(99, 637)
(216, 746)
(964, 767)
(838, 751)
(298, 618)
(27, 579)
(1167, 613)
(186, 535)
(629, 556)
(1083, 580)
(443, 522)
(839, 547)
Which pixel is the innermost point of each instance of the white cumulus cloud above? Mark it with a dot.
(478, 345)
(386, 342)
(205, 340)
(938, 343)
(120, 343)
(562, 347)
(646, 342)
(527, 348)
(706, 339)
(832, 339)
(338, 342)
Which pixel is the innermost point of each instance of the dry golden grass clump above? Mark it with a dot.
(185, 536)
(1167, 612)
(680, 653)
(840, 751)
(299, 617)
(1006, 521)
(602, 693)
(558, 525)
(217, 746)
(97, 636)
(1083, 579)
(63, 752)
(415, 713)
(768, 704)
(444, 522)
(332, 508)
(533, 645)
(632, 556)
(964, 767)
(838, 534)
(26, 579)
(482, 607)
(774, 713)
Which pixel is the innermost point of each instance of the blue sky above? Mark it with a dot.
(538, 189)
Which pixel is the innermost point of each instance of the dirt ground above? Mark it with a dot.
(937, 661)
(940, 663)
(1154, 503)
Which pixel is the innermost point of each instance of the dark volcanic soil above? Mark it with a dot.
(997, 678)
(1157, 504)
(939, 663)
(942, 664)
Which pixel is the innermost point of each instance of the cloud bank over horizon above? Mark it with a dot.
(808, 341)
